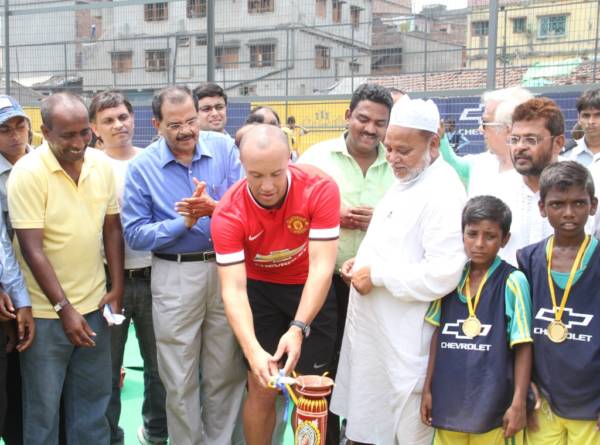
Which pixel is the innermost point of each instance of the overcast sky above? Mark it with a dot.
(451, 4)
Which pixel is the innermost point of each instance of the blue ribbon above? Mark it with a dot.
(284, 389)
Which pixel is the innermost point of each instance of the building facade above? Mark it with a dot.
(541, 33)
(262, 47)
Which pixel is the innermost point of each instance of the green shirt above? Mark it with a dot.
(460, 164)
(356, 189)
(517, 300)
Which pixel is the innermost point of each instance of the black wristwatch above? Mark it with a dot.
(303, 327)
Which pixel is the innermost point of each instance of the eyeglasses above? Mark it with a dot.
(176, 126)
(497, 127)
(209, 108)
(492, 124)
(529, 141)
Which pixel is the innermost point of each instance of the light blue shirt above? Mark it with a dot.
(11, 278)
(155, 181)
(580, 153)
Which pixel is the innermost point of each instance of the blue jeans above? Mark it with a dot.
(53, 366)
(137, 303)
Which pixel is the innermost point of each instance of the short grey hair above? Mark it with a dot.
(508, 99)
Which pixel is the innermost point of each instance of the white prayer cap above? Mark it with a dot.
(416, 113)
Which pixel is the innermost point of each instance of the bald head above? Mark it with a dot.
(264, 140)
(63, 103)
(265, 155)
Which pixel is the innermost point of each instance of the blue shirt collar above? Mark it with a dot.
(166, 155)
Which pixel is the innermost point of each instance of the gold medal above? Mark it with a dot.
(471, 327)
(557, 331)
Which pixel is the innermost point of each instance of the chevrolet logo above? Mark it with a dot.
(455, 329)
(572, 318)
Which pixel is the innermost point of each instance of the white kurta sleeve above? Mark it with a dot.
(438, 272)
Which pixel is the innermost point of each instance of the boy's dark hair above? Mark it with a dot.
(589, 99)
(487, 207)
(105, 100)
(564, 175)
(175, 94)
(209, 89)
(374, 93)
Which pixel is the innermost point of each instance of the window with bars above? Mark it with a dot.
(121, 61)
(248, 90)
(336, 11)
(227, 57)
(157, 60)
(183, 41)
(195, 8)
(321, 8)
(201, 40)
(552, 26)
(519, 25)
(262, 55)
(322, 57)
(480, 28)
(154, 12)
(260, 6)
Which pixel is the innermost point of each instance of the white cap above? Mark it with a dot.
(416, 113)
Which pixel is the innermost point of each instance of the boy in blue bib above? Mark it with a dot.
(480, 360)
(564, 273)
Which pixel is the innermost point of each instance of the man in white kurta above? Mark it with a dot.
(412, 254)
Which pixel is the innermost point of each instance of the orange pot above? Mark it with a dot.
(311, 411)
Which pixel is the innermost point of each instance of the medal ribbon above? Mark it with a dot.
(467, 291)
(558, 311)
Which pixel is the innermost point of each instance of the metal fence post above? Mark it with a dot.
(492, 45)
(425, 56)
(504, 53)
(6, 50)
(596, 42)
(287, 70)
(210, 40)
(352, 60)
(65, 60)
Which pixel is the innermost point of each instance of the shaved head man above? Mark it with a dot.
(276, 246)
(265, 155)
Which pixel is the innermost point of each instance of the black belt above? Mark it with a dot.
(145, 272)
(209, 255)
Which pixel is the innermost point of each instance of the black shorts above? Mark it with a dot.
(274, 307)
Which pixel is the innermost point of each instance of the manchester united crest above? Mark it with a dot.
(297, 224)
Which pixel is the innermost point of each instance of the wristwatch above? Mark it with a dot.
(60, 305)
(303, 327)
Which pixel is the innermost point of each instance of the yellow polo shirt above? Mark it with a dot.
(43, 196)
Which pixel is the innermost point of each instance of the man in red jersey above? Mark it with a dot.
(275, 235)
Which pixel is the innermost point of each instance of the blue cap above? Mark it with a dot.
(10, 108)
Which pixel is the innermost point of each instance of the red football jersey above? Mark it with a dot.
(274, 242)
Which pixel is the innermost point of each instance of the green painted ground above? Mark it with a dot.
(131, 395)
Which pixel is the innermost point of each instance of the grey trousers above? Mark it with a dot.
(193, 336)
